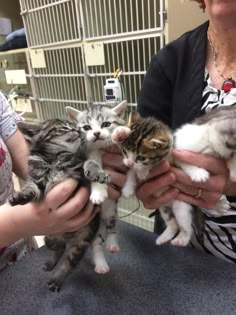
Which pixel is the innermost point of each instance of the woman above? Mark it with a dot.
(185, 79)
(19, 223)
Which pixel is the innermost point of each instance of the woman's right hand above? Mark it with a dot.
(58, 212)
(159, 178)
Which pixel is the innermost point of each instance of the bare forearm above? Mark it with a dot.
(19, 152)
(14, 223)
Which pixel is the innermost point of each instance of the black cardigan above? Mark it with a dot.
(172, 88)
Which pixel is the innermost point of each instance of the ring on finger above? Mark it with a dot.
(198, 194)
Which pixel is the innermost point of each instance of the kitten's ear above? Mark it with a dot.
(29, 130)
(120, 108)
(133, 118)
(72, 113)
(153, 144)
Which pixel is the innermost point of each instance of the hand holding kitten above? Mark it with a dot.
(113, 165)
(158, 178)
(212, 189)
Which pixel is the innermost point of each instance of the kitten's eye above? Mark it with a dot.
(105, 124)
(87, 127)
(140, 158)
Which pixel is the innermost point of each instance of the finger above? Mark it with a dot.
(153, 202)
(116, 178)
(113, 149)
(114, 161)
(117, 181)
(73, 205)
(214, 183)
(83, 218)
(60, 193)
(187, 189)
(212, 164)
(159, 169)
(114, 192)
(147, 189)
(79, 220)
(200, 202)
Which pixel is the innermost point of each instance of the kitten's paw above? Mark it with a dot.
(127, 192)
(120, 134)
(102, 268)
(98, 196)
(113, 248)
(181, 240)
(222, 206)
(48, 266)
(20, 198)
(94, 173)
(112, 242)
(199, 175)
(165, 237)
(54, 285)
(102, 177)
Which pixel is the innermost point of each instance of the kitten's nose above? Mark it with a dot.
(129, 163)
(97, 134)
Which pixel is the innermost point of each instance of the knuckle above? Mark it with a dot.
(147, 204)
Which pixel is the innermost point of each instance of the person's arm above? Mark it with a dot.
(13, 138)
(55, 214)
(19, 152)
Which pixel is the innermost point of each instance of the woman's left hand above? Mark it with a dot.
(202, 194)
(113, 164)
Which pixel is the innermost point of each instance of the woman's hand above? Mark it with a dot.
(113, 164)
(160, 177)
(59, 212)
(202, 194)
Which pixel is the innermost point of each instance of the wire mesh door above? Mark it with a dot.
(117, 33)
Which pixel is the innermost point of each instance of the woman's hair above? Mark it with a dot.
(202, 4)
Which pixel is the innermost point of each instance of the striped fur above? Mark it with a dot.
(98, 122)
(58, 150)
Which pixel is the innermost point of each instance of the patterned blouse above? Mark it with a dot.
(220, 231)
(8, 119)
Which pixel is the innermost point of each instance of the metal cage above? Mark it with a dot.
(129, 33)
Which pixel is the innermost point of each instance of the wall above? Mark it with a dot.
(11, 9)
(182, 16)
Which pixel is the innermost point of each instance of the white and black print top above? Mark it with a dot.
(220, 231)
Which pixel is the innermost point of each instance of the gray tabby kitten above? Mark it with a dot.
(58, 150)
(98, 123)
(147, 141)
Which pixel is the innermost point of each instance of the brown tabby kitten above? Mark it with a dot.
(58, 150)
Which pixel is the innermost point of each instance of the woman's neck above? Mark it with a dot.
(223, 40)
(221, 54)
